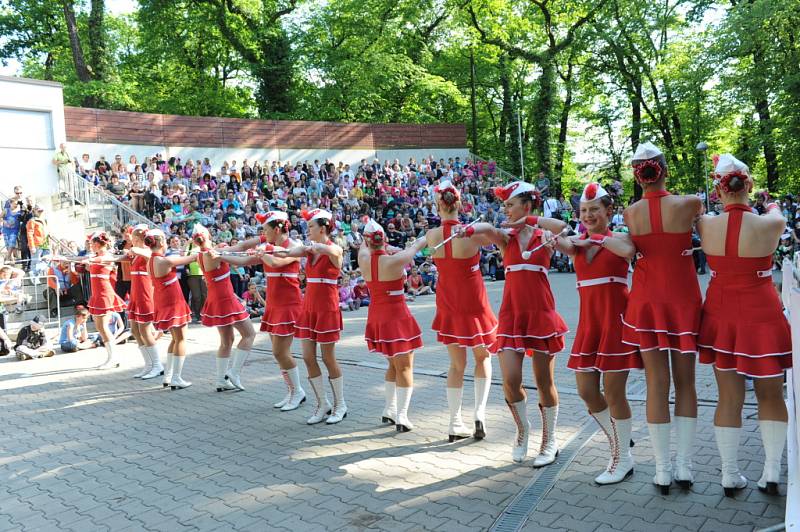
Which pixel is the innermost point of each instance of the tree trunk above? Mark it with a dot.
(473, 105)
(770, 155)
(48, 67)
(274, 77)
(97, 40)
(75, 43)
(505, 113)
(541, 135)
(636, 131)
(563, 129)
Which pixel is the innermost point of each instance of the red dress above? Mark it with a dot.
(391, 329)
(140, 307)
(171, 309)
(743, 327)
(528, 319)
(664, 304)
(464, 316)
(603, 289)
(320, 319)
(104, 299)
(284, 299)
(222, 307)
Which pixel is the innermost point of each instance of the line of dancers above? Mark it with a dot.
(659, 326)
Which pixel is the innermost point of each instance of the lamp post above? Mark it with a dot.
(702, 147)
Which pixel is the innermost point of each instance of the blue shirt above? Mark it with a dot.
(75, 330)
(10, 218)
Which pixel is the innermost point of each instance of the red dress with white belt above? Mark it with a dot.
(391, 329)
(103, 299)
(140, 306)
(284, 299)
(664, 304)
(464, 316)
(171, 309)
(320, 319)
(603, 289)
(528, 320)
(743, 327)
(222, 307)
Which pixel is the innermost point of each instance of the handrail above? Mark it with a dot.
(91, 196)
(57, 245)
(505, 176)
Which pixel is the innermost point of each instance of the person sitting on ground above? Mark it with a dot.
(11, 293)
(32, 341)
(6, 345)
(416, 285)
(429, 276)
(75, 336)
(346, 299)
(118, 330)
(254, 301)
(361, 293)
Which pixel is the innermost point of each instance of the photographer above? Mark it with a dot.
(12, 212)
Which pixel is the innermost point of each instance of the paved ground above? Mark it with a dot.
(88, 450)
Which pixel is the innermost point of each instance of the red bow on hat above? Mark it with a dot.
(504, 193)
(261, 217)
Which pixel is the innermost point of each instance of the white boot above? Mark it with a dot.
(482, 387)
(403, 402)
(147, 362)
(156, 369)
(288, 382)
(659, 438)
(323, 408)
(773, 436)
(222, 384)
(339, 405)
(169, 369)
(111, 362)
(237, 363)
(176, 382)
(456, 430)
(728, 446)
(548, 450)
(519, 411)
(389, 414)
(620, 464)
(685, 428)
(298, 394)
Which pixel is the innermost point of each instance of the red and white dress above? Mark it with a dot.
(102, 278)
(664, 304)
(140, 306)
(464, 316)
(284, 299)
(171, 309)
(528, 320)
(320, 319)
(603, 289)
(222, 307)
(391, 329)
(743, 328)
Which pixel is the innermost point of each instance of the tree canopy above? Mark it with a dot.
(579, 83)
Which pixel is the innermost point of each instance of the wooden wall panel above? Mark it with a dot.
(124, 127)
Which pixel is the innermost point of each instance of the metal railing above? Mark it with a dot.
(499, 172)
(56, 245)
(101, 208)
(33, 301)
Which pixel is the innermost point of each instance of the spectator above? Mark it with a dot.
(75, 336)
(416, 284)
(38, 238)
(63, 162)
(428, 274)
(6, 345)
(346, 297)
(63, 287)
(12, 212)
(32, 341)
(254, 301)
(119, 332)
(361, 293)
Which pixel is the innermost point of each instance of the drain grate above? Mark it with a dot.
(517, 512)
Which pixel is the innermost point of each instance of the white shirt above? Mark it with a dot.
(551, 205)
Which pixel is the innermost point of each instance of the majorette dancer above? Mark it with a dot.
(464, 318)
(140, 308)
(391, 329)
(284, 299)
(103, 299)
(743, 330)
(601, 261)
(663, 314)
(224, 311)
(320, 320)
(528, 321)
(170, 308)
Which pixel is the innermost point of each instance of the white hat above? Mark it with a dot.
(316, 214)
(274, 216)
(155, 232)
(373, 227)
(646, 150)
(141, 227)
(727, 164)
(199, 229)
(593, 191)
(446, 185)
(510, 190)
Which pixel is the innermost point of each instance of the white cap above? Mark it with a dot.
(199, 229)
(155, 232)
(141, 227)
(272, 216)
(373, 227)
(445, 185)
(646, 150)
(593, 191)
(727, 164)
(316, 214)
(513, 189)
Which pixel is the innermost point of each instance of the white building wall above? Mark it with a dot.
(24, 146)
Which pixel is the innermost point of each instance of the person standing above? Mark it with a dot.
(391, 329)
(38, 239)
(662, 318)
(744, 332)
(198, 289)
(103, 301)
(528, 323)
(601, 265)
(464, 318)
(12, 212)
